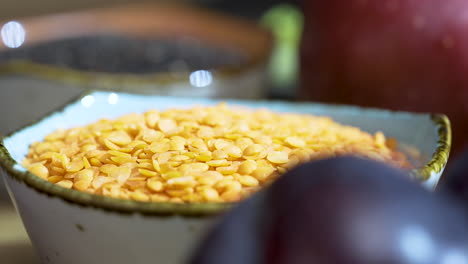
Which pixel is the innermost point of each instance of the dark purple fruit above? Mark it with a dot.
(342, 210)
(454, 181)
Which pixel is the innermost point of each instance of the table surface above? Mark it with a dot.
(15, 246)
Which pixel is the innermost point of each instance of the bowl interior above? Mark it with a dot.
(399, 125)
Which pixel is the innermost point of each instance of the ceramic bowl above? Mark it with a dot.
(68, 226)
(174, 28)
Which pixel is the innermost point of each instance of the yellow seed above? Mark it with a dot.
(63, 159)
(84, 175)
(146, 165)
(120, 138)
(379, 139)
(47, 155)
(121, 174)
(197, 144)
(176, 200)
(204, 156)
(99, 181)
(107, 168)
(222, 185)
(227, 170)
(138, 196)
(192, 198)
(179, 192)
(219, 154)
(179, 158)
(122, 160)
(75, 166)
(278, 157)
(110, 145)
(159, 198)
(181, 182)
(205, 132)
(86, 163)
(247, 167)
(263, 140)
(210, 195)
(39, 170)
(119, 154)
(218, 163)
(244, 142)
(88, 147)
(232, 151)
(254, 151)
(248, 181)
(95, 162)
(54, 179)
(295, 142)
(160, 146)
(151, 118)
(137, 144)
(81, 185)
(156, 186)
(220, 144)
(233, 186)
(65, 184)
(209, 177)
(262, 173)
(231, 196)
(167, 125)
(177, 144)
(151, 135)
(156, 166)
(147, 173)
(58, 170)
(171, 174)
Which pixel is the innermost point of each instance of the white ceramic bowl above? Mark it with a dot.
(68, 226)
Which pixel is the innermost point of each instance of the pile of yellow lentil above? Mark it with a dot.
(202, 154)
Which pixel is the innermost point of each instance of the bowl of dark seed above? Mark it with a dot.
(161, 49)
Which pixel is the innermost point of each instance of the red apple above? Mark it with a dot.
(399, 54)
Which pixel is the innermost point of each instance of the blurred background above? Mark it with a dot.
(247, 49)
(394, 54)
(51, 51)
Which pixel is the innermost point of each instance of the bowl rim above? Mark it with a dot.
(160, 209)
(139, 22)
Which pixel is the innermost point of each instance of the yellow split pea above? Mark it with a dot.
(203, 154)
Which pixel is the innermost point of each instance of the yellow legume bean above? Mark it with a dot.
(151, 118)
(138, 196)
(278, 157)
(159, 198)
(248, 181)
(167, 125)
(201, 154)
(247, 167)
(156, 186)
(65, 184)
(210, 195)
(219, 154)
(54, 179)
(181, 182)
(39, 170)
(218, 163)
(147, 173)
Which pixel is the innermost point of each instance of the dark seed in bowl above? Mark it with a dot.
(120, 54)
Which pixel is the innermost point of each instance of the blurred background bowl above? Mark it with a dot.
(159, 48)
(164, 49)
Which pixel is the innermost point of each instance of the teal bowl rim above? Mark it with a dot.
(436, 164)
